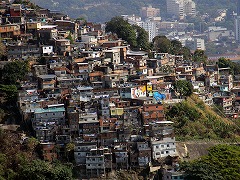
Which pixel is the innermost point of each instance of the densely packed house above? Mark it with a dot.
(99, 95)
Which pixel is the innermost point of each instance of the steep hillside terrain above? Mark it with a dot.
(191, 150)
(104, 10)
(194, 120)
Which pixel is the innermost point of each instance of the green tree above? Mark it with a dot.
(70, 38)
(15, 71)
(3, 165)
(167, 69)
(183, 87)
(123, 30)
(175, 46)
(10, 92)
(19, 161)
(178, 49)
(11, 154)
(3, 51)
(69, 151)
(186, 53)
(200, 171)
(38, 169)
(142, 38)
(222, 162)
(162, 44)
(199, 56)
(225, 63)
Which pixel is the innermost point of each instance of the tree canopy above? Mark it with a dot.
(162, 44)
(15, 71)
(10, 92)
(123, 29)
(195, 120)
(136, 36)
(3, 51)
(20, 161)
(70, 38)
(199, 56)
(142, 38)
(183, 87)
(39, 169)
(222, 162)
(224, 63)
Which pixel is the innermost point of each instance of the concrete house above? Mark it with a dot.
(163, 140)
(46, 121)
(47, 81)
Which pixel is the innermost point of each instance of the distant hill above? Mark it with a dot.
(98, 10)
(104, 10)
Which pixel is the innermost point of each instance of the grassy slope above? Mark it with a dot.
(194, 120)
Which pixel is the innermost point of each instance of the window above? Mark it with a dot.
(168, 145)
(162, 146)
(162, 152)
(167, 152)
(157, 147)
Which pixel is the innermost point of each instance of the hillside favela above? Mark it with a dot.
(120, 90)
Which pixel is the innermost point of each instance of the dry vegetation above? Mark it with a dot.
(194, 120)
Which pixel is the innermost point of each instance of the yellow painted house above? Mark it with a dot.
(34, 25)
(116, 111)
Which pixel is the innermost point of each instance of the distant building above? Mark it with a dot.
(168, 25)
(215, 33)
(181, 8)
(150, 27)
(237, 23)
(132, 19)
(45, 121)
(163, 142)
(149, 24)
(238, 7)
(199, 44)
(147, 12)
